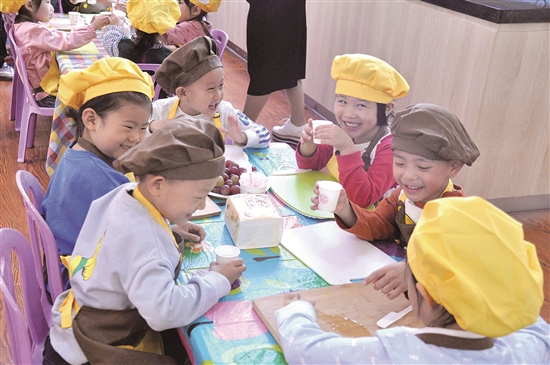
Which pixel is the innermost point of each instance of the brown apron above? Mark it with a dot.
(405, 229)
(120, 336)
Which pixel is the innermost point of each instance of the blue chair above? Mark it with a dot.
(26, 332)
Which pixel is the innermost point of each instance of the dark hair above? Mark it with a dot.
(104, 104)
(200, 16)
(445, 318)
(24, 14)
(142, 42)
(381, 117)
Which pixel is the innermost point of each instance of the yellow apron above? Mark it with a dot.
(50, 82)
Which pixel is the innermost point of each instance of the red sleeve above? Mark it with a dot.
(318, 160)
(378, 224)
(365, 188)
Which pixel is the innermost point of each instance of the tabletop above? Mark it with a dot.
(231, 331)
(63, 128)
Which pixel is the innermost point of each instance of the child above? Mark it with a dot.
(430, 146)
(150, 19)
(192, 22)
(356, 151)
(37, 41)
(113, 102)
(472, 280)
(194, 73)
(126, 259)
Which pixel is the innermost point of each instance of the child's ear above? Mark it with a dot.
(28, 5)
(181, 92)
(195, 10)
(456, 166)
(425, 295)
(89, 118)
(155, 184)
(389, 108)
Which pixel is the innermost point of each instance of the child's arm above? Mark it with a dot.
(367, 187)
(183, 32)
(40, 38)
(257, 136)
(378, 224)
(190, 231)
(307, 147)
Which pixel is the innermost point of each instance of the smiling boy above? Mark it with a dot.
(194, 74)
(430, 147)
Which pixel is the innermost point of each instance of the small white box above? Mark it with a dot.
(253, 221)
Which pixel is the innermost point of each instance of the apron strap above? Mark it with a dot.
(90, 147)
(382, 131)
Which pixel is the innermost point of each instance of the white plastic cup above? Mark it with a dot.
(226, 253)
(329, 191)
(317, 123)
(74, 17)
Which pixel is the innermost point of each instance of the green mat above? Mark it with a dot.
(296, 191)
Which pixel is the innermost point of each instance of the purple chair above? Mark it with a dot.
(44, 248)
(17, 91)
(151, 69)
(221, 38)
(30, 109)
(26, 333)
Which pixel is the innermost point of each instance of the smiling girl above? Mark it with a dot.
(113, 98)
(37, 41)
(356, 151)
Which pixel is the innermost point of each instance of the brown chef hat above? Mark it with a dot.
(432, 132)
(179, 150)
(188, 64)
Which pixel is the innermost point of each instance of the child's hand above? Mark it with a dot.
(390, 279)
(232, 270)
(190, 231)
(307, 147)
(115, 20)
(292, 297)
(335, 136)
(101, 20)
(234, 132)
(341, 206)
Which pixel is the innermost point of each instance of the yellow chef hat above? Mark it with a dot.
(105, 76)
(368, 78)
(208, 6)
(153, 16)
(11, 6)
(472, 259)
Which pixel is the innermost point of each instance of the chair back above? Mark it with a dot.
(44, 248)
(26, 332)
(151, 69)
(31, 109)
(221, 38)
(17, 92)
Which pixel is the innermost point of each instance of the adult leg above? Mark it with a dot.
(254, 104)
(295, 98)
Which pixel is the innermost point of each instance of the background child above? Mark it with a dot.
(192, 22)
(149, 19)
(113, 98)
(430, 146)
(472, 280)
(194, 73)
(37, 41)
(357, 151)
(126, 259)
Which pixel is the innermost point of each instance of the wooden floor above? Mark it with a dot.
(12, 214)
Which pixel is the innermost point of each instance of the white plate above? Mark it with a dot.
(237, 155)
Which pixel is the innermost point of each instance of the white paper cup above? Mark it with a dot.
(226, 253)
(329, 191)
(317, 123)
(92, 1)
(74, 17)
